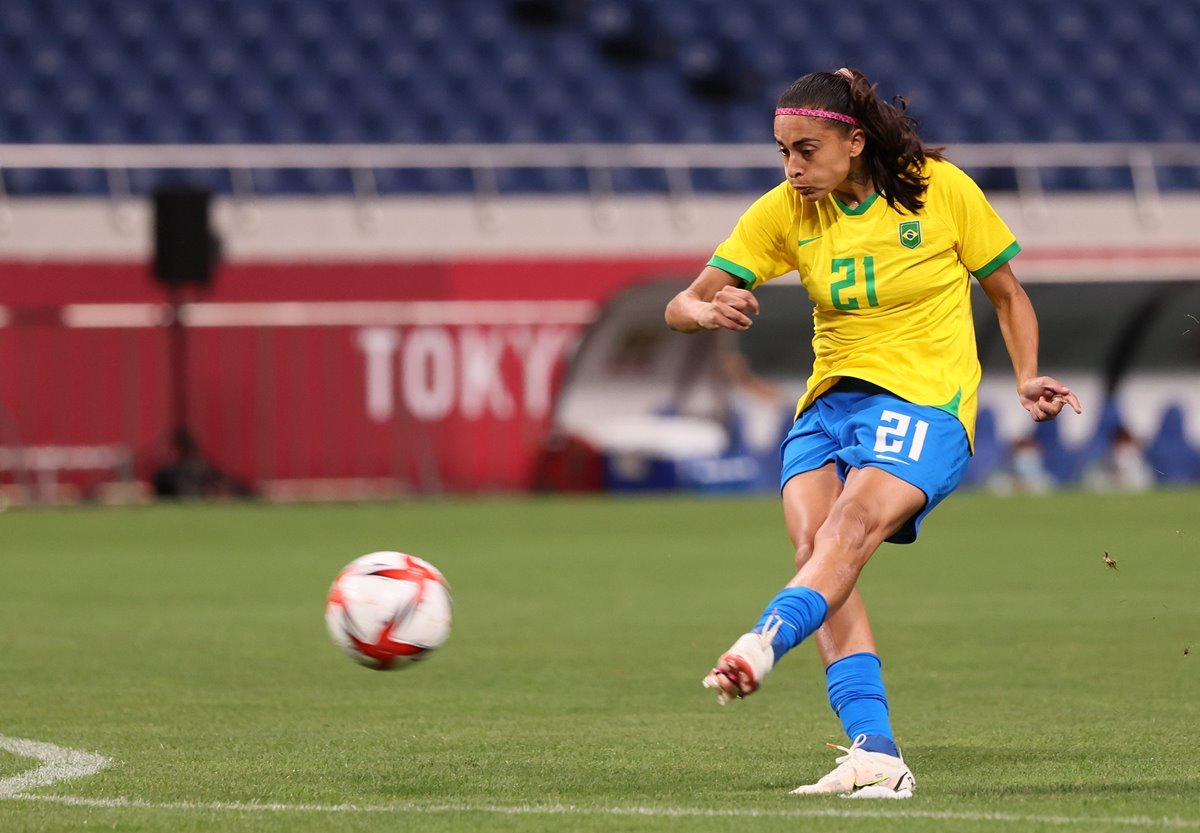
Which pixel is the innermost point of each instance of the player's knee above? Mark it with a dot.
(849, 526)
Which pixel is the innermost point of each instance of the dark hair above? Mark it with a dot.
(894, 155)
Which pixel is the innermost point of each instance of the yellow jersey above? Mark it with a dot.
(891, 290)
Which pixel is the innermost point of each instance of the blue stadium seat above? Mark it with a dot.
(1096, 447)
(27, 181)
(1179, 178)
(1170, 453)
(1087, 179)
(736, 180)
(539, 181)
(991, 451)
(624, 71)
(146, 181)
(640, 180)
(1063, 462)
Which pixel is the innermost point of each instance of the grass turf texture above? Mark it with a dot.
(1032, 687)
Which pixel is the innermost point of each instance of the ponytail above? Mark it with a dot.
(894, 155)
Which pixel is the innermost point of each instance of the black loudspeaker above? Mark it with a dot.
(185, 249)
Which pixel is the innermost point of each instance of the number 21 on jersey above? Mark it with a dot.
(846, 292)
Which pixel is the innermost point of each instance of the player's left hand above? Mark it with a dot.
(1044, 397)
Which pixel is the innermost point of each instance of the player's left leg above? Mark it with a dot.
(872, 507)
(933, 460)
(854, 676)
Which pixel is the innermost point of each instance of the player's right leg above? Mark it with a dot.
(836, 529)
(807, 498)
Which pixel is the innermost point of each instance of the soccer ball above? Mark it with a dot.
(388, 609)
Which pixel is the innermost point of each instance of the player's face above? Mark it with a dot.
(817, 154)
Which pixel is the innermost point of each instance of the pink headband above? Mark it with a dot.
(820, 114)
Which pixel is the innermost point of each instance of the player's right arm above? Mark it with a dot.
(715, 300)
(756, 252)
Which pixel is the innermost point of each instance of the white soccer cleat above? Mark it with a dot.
(863, 774)
(741, 669)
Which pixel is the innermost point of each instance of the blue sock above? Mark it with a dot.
(858, 698)
(799, 611)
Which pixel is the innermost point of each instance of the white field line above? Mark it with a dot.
(61, 764)
(841, 812)
(58, 764)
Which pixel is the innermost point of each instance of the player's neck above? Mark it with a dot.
(855, 189)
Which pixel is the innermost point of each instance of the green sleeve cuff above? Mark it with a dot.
(735, 270)
(1010, 251)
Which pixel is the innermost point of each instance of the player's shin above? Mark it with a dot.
(791, 617)
(858, 697)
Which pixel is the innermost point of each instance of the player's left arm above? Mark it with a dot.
(1043, 396)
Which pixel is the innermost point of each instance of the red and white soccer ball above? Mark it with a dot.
(388, 609)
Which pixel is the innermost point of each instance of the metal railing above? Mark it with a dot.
(1143, 160)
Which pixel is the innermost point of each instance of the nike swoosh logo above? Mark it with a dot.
(807, 240)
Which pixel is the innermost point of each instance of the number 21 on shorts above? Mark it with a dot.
(897, 431)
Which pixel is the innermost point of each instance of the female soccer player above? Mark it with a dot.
(885, 234)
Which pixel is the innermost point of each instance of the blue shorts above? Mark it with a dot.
(857, 424)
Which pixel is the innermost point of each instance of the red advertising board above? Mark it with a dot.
(433, 376)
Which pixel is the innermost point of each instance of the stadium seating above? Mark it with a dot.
(1172, 457)
(1063, 462)
(990, 452)
(254, 71)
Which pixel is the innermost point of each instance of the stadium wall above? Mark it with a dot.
(394, 344)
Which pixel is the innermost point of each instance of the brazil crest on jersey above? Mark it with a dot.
(891, 290)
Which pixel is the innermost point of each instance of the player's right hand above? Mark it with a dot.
(730, 309)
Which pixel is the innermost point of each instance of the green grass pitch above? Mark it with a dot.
(1032, 686)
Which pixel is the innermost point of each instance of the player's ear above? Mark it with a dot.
(858, 141)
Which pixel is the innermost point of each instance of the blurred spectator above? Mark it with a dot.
(760, 411)
(1025, 472)
(1122, 469)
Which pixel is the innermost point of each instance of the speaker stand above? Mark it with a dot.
(188, 474)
